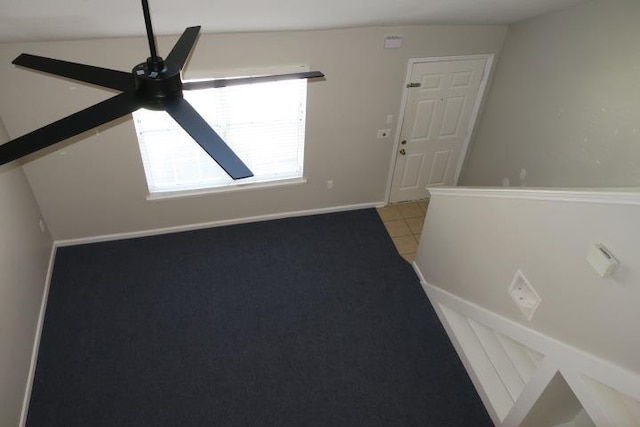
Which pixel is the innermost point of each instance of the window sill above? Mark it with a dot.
(227, 189)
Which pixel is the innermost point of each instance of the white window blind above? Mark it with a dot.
(264, 124)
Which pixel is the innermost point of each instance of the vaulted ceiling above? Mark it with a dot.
(25, 20)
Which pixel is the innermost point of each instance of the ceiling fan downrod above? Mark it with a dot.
(152, 43)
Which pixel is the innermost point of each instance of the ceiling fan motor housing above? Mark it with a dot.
(155, 81)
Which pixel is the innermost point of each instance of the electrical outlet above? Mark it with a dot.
(384, 133)
(43, 226)
(330, 184)
(525, 297)
(523, 174)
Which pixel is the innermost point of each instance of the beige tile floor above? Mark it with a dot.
(404, 222)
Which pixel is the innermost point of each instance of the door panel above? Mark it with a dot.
(439, 167)
(437, 116)
(431, 82)
(452, 114)
(461, 79)
(412, 173)
(424, 114)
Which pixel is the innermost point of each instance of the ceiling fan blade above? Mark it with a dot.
(72, 125)
(180, 52)
(206, 137)
(217, 83)
(105, 77)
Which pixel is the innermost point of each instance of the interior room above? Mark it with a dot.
(523, 241)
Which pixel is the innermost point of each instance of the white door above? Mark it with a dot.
(441, 102)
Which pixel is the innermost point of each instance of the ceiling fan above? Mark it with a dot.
(155, 84)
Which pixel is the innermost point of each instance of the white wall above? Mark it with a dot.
(97, 186)
(565, 102)
(24, 259)
(473, 246)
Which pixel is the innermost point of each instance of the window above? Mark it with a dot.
(264, 125)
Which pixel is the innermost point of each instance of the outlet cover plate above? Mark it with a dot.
(525, 297)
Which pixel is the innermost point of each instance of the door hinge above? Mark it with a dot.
(414, 85)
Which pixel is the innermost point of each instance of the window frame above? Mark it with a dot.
(239, 185)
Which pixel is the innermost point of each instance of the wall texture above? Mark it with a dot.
(24, 259)
(473, 246)
(565, 102)
(97, 186)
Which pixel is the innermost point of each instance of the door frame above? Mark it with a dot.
(472, 120)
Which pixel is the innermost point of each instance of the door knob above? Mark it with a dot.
(403, 152)
(403, 142)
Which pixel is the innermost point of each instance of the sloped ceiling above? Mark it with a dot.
(31, 20)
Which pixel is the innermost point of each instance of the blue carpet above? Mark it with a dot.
(311, 321)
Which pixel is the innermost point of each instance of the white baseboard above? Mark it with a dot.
(219, 223)
(36, 339)
(607, 393)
